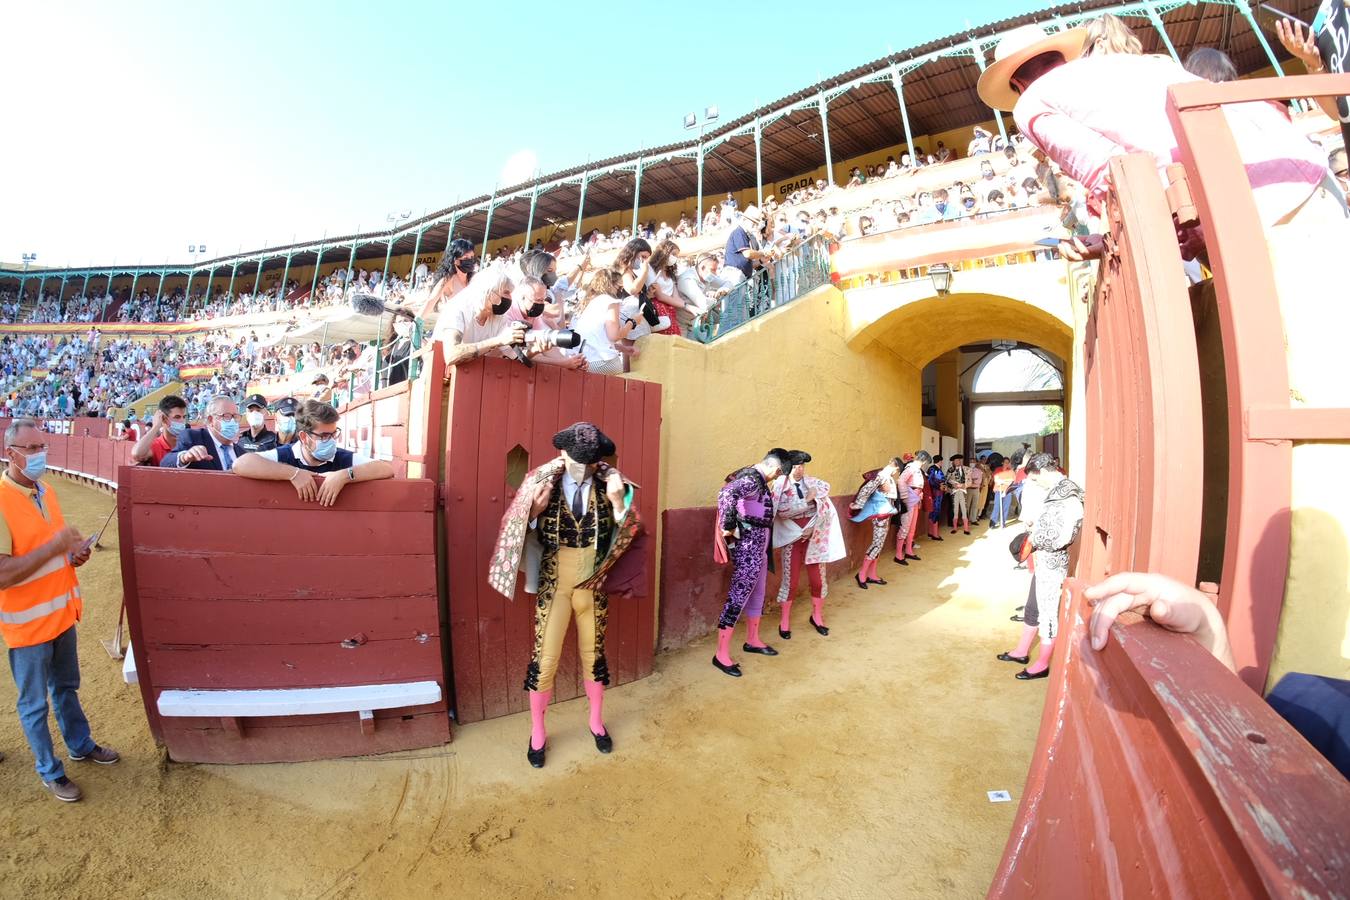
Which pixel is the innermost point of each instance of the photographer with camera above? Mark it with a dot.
(474, 323)
(544, 342)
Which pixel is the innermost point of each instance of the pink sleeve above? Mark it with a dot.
(1083, 154)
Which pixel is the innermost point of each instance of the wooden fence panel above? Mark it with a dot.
(234, 584)
(497, 406)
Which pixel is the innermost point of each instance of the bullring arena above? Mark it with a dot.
(321, 695)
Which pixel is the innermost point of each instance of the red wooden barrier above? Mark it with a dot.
(496, 406)
(237, 584)
(1158, 773)
(693, 587)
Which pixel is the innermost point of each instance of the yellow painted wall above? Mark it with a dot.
(725, 404)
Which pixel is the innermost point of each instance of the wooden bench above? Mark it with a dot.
(229, 706)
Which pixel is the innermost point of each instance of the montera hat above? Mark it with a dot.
(1016, 47)
(584, 443)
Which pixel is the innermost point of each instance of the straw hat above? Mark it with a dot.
(1016, 47)
(752, 213)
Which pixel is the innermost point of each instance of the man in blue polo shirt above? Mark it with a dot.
(314, 452)
(743, 244)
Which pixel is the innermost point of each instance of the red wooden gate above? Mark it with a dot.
(502, 420)
(238, 585)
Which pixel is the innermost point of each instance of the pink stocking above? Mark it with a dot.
(818, 609)
(595, 693)
(1043, 660)
(724, 646)
(752, 631)
(538, 705)
(785, 622)
(1024, 645)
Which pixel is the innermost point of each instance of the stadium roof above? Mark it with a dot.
(938, 81)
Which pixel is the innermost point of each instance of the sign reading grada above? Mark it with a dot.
(788, 187)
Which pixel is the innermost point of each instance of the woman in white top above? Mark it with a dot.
(664, 269)
(601, 324)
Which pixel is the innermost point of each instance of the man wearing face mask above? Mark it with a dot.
(211, 448)
(170, 421)
(314, 452)
(256, 437)
(286, 410)
(567, 526)
(39, 606)
(475, 323)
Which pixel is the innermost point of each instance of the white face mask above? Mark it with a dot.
(403, 329)
(285, 424)
(255, 418)
(576, 471)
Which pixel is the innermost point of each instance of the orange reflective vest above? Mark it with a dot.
(47, 602)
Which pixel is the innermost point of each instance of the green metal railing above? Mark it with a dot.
(793, 276)
(384, 372)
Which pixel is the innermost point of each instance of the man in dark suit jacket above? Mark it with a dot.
(210, 448)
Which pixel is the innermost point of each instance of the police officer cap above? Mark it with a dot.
(584, 443)
(287, 406)
(257, 400)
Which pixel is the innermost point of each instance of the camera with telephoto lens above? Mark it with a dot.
(649, 313)
(562, 338)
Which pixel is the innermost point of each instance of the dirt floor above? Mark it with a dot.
(850, 766)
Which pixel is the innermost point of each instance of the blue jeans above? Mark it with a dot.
(51, 666)
(998, 516)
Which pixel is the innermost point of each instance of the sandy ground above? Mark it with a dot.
(850, 766)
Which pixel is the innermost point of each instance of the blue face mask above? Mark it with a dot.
(285, 424)
(35, 465)
(229, 429)
(325, 450)
(177, 427)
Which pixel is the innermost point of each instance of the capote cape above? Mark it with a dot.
(826, 543)
(518, 549)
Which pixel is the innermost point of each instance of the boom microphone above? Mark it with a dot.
(369, 305)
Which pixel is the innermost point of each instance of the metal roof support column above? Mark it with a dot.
(825, 132)
(1158, 24)
(234, 269)
(257, 278)
(897, 80)
(637, 192)
(42, 282)
(759, 163)
(314, 284)
(132, 294)
(210, 276)
(388, 250)
(351, 264)
(699, 200)
(281, 286)
(23, 278)
(61, 298)
(1260, 36)
(450, 232)
(187, 292)
(581, 204)
(412, 269)
(529, 223)
(159, 291)
(978, 52)
(107, 296)
(84, 285)
(487, 225)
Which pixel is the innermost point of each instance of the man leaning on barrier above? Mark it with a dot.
(314, 452)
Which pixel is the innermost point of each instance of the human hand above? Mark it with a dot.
(1078, 249)
(513, 335)
(332, 485)
(194, 454)
(576, 362)
(1173, 605)
(66, 541)
(1303, 48)
(81, 554)
(616, 491)
(159, 423)
(303, 482)
(540, 502)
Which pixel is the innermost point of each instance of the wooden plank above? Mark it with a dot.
(337, 718)
(221, 489)
(204, 529)
(290, 665)
(135, 604)
(623, 413)
(191, 619)
(305, 741)
(461, 527)
(647, 505)
(298, 701)
(248, 576)
(518, 615)
(492, 450)
(1266, 423)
